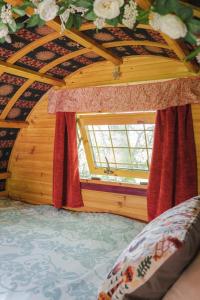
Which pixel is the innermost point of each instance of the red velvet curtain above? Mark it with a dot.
(173, 172)
(66, 181)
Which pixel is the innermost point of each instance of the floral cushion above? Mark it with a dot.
(157, 256)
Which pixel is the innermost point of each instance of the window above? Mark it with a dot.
(117, 145)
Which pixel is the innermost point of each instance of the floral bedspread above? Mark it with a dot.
(46, 254)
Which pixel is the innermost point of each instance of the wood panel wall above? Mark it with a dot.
(31, 171)
(31, 168)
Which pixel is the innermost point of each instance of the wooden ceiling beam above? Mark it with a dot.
(14, 99)
(15, 70)
(63, 59)
(13, 124)
(79, 37)
(87, 42)
(179, 47)
(32, 46)
(28, 83)
(135, 43)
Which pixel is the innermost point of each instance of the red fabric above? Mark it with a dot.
(66, 181)
(173, 172)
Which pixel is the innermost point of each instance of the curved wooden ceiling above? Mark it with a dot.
(40, 58)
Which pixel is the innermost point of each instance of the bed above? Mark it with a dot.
(49, 254)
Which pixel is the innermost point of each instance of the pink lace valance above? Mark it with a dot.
(151, 96)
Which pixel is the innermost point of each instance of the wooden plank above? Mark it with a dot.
(135, 43)
(181, 51)
(4, 175)
(32, 46)
(14, 99)
(133, 70)
(3, 194)
(87, 42)
(13, 124)
(62, 59)
(9, 68)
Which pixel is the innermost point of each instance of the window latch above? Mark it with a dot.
(108, 169)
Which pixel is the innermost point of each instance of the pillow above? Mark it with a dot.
(157, 256)
(187, 286)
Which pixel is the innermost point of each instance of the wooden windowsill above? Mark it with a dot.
(101, 182)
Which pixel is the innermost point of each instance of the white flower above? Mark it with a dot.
(107, 9)
(155, 21)
(47, 10)
(169, 24)
(6, 14)
(3, 31)
(99, 23)
(121, 3)
(130, 14)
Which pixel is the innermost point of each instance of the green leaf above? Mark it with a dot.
(112, 22)
(1, 24)
(20, 12)
(160, 6)
(19, 26)
(84, 3)
(33, 21)
(143, 16)
(194, 26)
(2, 40)
(78, 20)
(13, 26)
(90, 16)
(69, 22)
(193, 54)
(190, 38)
(185, 13)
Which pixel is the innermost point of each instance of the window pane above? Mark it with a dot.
(108, 153)
(103, 138)
(137, 139)
(91, 137)
(150, 155)
(122, 155)
(100, 127)
(149, 135)
(149, 126)
(117, 127)
(124, 166)
(119, 138)
(135, 127)
(95, 154)
(139, 158)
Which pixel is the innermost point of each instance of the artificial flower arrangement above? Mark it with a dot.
(170, 17)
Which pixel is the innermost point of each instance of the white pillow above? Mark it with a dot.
(188, 285)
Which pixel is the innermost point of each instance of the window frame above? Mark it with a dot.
(84, 119)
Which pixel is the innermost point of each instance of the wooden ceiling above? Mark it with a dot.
(41, 58)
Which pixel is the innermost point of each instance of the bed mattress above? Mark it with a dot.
(50, 254)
